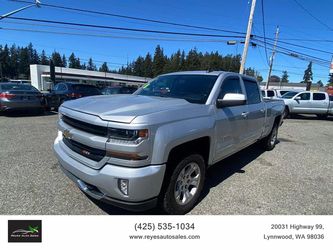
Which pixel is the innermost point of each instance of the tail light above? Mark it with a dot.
(6, 96)
(74, 95)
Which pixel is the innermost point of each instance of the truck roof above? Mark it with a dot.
(197, 72)
(203, 72)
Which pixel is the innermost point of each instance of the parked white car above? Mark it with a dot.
(275, 93)
(307, 102)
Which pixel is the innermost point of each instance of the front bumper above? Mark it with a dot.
(102, 184)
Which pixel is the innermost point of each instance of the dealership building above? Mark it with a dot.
(40, 77)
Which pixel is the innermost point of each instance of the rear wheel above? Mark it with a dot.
(270, 141)
(185, 185)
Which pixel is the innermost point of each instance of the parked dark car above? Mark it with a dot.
(118, 90)
(14, 96)
(65, 91)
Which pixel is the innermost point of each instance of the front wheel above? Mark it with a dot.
(185, 185)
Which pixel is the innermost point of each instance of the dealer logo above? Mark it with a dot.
(24, 231)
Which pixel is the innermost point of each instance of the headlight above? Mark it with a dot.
(135, 136)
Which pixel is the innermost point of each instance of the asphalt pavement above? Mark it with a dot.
(296, 178)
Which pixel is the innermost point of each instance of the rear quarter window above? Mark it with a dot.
(270, 93)
(319, 96)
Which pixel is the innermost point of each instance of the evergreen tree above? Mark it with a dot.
(56, 58)
(174, 63)
(83, 66)
(148, 66)
(14, 62)
(104, 67)
(260, 78)
(285, 76)
(24, 63)
(308, 76)
(44, 60)
(330, 80)
(320, 83)
(250, 71)
(72, 61)
(64, 61)
(182, 61)
(193, 61)
(5, 62)
(158, 61)
(138, 67)
(91, 65)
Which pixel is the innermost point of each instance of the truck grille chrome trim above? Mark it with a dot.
(84, 126)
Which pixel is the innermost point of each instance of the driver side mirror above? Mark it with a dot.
(231, 100)
(297, 98)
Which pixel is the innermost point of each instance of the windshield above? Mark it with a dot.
(289, 95)
(193, 88)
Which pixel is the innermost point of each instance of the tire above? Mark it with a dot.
(180, 196)
(269, 142)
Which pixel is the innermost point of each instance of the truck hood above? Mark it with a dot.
(124, 108)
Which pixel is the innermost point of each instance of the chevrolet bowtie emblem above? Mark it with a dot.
(67, 134)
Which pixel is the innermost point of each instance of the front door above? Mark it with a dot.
(230, 121)
(301, 103)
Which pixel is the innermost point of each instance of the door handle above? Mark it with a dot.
(262, 110)
(244, 114)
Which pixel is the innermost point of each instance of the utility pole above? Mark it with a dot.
(272, 56)
(247, 38)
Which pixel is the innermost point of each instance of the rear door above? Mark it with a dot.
(256, 111)
(230, 122)
(320, 103)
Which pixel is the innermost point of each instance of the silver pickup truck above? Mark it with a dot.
(153, 147)
(307, 102)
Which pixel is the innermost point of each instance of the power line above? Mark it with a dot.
(123, 28)
(314, 17)
(307, 40)
(263, 27)
(295, 52)
(135, 18)
(112, 34)
(297, 45)
(296, 56)
(116, 37)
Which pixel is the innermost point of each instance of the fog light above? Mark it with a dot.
(123, 186)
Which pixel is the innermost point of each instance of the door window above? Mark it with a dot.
(230, 85)
(252, 91)
(304, 96)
